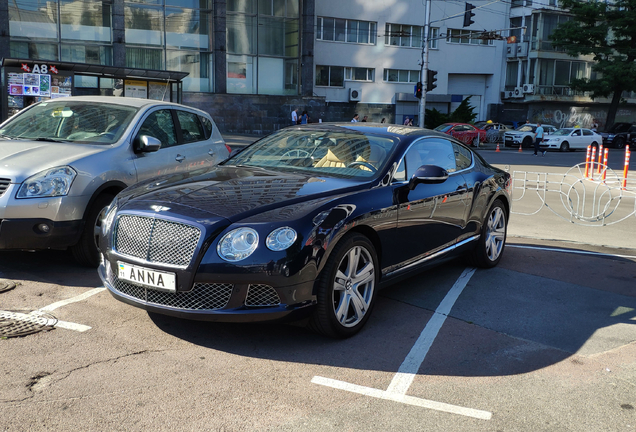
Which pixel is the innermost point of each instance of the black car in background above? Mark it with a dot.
(309, 221)
(619, 134)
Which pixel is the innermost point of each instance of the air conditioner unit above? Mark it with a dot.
(354, 95)
(518, 92)
(507, 94)
(528, 88)
(511, 50)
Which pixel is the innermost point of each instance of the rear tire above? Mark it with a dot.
(85, 252)
(346, 288)
(490, 246)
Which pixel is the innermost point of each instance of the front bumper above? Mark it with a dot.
(234, 301)
(21, 234)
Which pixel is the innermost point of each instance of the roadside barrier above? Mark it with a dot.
(520, 150)
(497, 150)
(628, 153)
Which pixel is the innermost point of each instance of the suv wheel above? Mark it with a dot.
(85, 251)
(619, 142)
(527, 142)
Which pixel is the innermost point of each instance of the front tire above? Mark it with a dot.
(619, 143)
(346, 288)
(565, 146)
(527, 142)
(491, 243)
(85, 252)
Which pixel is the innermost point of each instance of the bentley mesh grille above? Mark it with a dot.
(203, 296)
(4, 185)
(261, 295)
(156, 240)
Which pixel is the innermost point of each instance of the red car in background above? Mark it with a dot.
(464, 132)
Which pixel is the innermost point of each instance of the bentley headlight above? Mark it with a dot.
(238, 244)
(50, 183)
(281, 238)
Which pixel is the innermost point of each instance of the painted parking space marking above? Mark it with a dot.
(411, 364)
(61, 324)
(580, 252)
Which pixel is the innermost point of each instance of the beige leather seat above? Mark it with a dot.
(330, 160)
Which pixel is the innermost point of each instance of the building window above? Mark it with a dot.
(466, 37)
(409, 36)
(433, 38)
(358, 74)
(330, 76)
(401, 76)
(262, 46)
(343, 30)
(550, 23)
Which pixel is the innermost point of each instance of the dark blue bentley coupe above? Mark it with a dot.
(308, 222)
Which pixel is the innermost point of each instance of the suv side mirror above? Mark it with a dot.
(147, 144)
(428, 174)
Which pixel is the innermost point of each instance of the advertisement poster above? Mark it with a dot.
(31, 85)
(45, 85)
(60, 86)
(135, 89)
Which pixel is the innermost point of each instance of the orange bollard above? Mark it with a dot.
(587, 161)
(592, 160)
(605, 153)
(627, 155)
(600, 157)
(497, 150)
(520, 148)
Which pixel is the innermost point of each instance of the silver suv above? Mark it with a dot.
(63, 161)
(524, 135)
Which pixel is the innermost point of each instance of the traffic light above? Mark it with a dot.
(431, 78)
(468, 15)
(418, 90)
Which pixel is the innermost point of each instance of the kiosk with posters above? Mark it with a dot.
(28, 81)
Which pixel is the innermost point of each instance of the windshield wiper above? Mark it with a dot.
(49, 139)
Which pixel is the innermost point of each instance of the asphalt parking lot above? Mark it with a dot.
(544, 342)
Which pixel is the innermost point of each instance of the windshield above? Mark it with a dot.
(444, 127)
(341, 153)
(562, 132)
(525, 128)
(620, 127)
(71, 121)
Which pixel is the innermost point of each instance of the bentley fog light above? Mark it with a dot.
(281, 238)
(238, 244)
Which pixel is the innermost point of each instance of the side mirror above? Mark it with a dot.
(428, 174)
(147, 144)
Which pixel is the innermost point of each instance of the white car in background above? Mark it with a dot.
(524, 135)
(570, 139)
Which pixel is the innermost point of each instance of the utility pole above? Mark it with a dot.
(424, 69)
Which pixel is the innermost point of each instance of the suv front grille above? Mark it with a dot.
(4, 185)
(156, 240)
(203, 296)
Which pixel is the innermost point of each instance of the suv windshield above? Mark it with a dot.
(525, 128)
(619, 127)
(70, 121)
(562, 132)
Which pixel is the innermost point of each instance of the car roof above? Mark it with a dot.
(126, 101)
(379, 129)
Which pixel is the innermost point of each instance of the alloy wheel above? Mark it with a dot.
(353, 286)
(495, 233)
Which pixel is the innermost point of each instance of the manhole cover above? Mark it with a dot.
(14, 324)
(6, 285)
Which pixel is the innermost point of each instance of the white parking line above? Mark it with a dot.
(411, 365)
(31, 316)
(75, 299)
(580, 252)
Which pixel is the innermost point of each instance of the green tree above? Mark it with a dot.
(464, 112)
(607, 31)
(434, 118)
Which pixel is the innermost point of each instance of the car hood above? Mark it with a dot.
(236, 193)
(20, 159)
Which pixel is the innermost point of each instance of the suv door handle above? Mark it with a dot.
(179, 158)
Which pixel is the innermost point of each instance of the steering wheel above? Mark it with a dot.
(364, 164)
(295, 153)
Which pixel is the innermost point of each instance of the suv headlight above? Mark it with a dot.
(50, 183)
(238, 244)
(281, 238)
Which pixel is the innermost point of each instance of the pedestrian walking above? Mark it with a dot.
(406, 121)
(294, 116)
(355, 118)
(538, 137)
(364, 119)
(304, 118)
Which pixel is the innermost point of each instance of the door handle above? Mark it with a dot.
(179, 158)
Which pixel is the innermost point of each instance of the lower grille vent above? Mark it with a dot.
(261, 295)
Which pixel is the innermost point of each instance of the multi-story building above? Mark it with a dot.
(250, 62)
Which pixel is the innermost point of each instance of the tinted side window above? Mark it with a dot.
(463, 157)
(587, 132)
(190, 126)
(159, 124)
(433, 151)
(577, 133)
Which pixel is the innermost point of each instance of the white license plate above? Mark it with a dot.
(162, 281)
